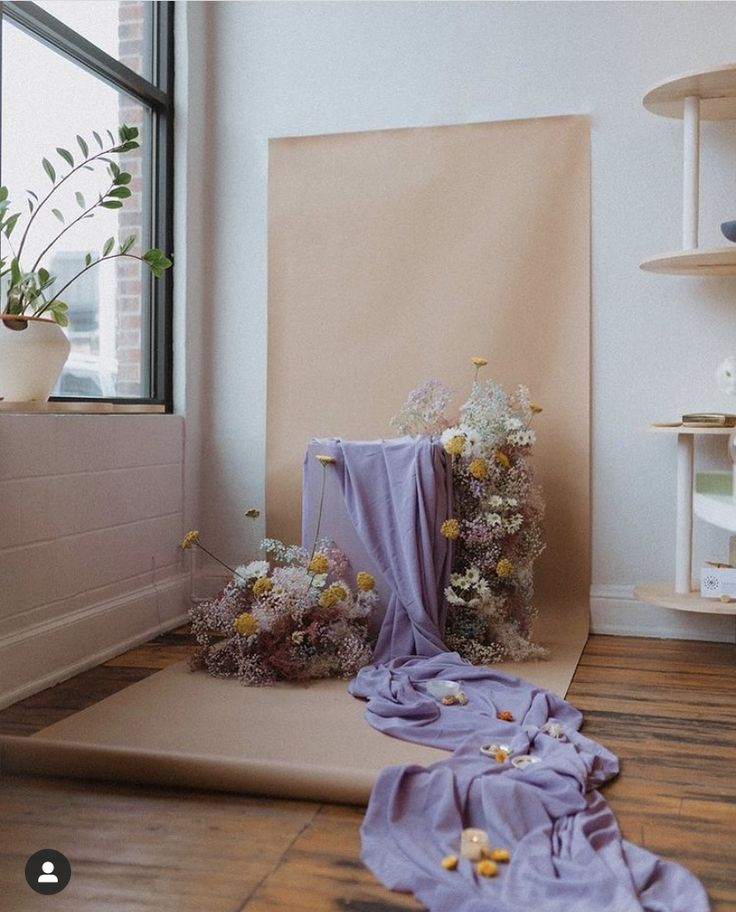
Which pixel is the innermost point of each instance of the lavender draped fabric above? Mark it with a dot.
(398, 493)
(568, 854)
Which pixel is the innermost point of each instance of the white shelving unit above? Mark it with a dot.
(707, 95)
(708, 496)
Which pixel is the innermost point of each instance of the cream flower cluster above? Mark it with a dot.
(247, 572)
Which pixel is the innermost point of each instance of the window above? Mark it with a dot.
(73, 68)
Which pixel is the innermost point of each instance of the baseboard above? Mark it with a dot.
(49, 652)
(615, 612)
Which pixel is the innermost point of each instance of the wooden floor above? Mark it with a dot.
(667, 708)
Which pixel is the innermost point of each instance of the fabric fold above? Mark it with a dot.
(535, 791)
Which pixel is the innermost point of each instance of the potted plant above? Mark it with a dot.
(33, 347)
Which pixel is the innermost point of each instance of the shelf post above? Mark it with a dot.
(690, 171)
(684, 527)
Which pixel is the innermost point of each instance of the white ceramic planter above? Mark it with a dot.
(31, 358)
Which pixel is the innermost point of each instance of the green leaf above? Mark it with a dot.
(127, 244)
(43, 276)
(111, 204)
(59, 215)
(67, 156)
(88, 259)
(88, 167)
(157, 260)
(80, 200)
(109, 244)
(104, 158)
(3, 194)
(83, 146)
(49, 169)
(98, 139)
(123, 178)
(112, 138)
(31, 193)
(127, 146)
(14, 271)
(126, 133)
(58, 310)
(30, 206)
(10, 224)
(120, 192)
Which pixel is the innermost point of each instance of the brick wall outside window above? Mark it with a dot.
(130, 275)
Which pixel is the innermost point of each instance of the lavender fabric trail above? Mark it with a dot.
(568, 854)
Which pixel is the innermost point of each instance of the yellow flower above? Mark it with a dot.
(325, 460)
(365, 581)
(252, 512)
(332, 596)
(487, 868)
(502, 855)
(502, 459)
(318, 564)
(478, 468)
(479, 362)
(327, 599)
(262, 585)
(536, 409)
(450, 528)
(504, 567)
(245, 624)
(450, 862)
(455, 445)
(191, 538)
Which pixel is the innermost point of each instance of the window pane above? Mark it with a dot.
(109, 305)
(121, 29)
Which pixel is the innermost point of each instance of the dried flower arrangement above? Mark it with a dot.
(498, 510)
(289, 617)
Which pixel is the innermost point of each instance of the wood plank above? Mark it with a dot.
(133, 848)
(666, 708)
(323, 864)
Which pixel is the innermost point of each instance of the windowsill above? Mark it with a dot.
(83, 408)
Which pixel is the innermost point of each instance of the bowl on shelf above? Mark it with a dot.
(729, 230)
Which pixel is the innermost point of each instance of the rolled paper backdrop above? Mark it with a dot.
(396, 255)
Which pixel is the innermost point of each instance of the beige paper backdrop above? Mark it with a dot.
(394, 256)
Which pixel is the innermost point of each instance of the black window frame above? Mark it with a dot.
(158, 96)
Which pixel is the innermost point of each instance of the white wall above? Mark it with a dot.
(303, 68)
(91, 510)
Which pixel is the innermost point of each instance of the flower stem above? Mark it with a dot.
(214, 557)
(319, 512)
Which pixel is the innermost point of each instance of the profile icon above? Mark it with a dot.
(48, 875)
(48, 871)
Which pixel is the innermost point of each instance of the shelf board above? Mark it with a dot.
(664, 595)
(702, 261)
(716, 89)
(681, 429)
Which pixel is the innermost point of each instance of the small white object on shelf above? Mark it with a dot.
(718, 581)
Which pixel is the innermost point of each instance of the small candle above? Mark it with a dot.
(473, 842)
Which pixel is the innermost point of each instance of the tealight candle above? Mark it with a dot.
(473, 842)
